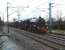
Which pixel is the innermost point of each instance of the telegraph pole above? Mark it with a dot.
(18, 16)
(50, 22)
(7, 18)
(3, 17)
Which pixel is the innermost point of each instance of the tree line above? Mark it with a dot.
(59, 24)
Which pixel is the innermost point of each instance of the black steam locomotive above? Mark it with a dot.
(33, 25)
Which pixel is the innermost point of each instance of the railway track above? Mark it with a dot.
(55, 42)
(57, 38)
(57, 35)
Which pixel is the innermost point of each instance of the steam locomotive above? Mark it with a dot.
(39, 25)
(33, 25)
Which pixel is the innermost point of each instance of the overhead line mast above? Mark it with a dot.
(50, 16)
(7, 18)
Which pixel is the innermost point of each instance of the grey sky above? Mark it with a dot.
(33, 11)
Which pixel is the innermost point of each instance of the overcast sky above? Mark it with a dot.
(36, 8)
